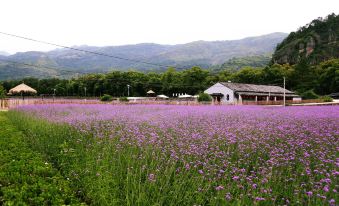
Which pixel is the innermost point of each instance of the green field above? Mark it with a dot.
(26, 178)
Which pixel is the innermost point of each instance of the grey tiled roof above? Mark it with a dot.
(239, 87)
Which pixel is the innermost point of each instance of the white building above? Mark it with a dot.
(236, 93)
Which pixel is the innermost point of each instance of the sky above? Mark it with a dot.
(120, 22)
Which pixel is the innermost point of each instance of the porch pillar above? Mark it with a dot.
(240, 99)
(275, 98)
(267, 98)
(256, 98)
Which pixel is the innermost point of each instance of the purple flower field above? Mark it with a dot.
(251, 153)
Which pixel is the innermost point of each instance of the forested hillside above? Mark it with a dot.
(237, 63)
(316, 42)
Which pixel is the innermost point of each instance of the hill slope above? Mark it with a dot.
(237, 63)
(199, 53)
(317, 41)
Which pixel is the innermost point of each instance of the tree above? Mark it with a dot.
(328, 73)
(2, 92)
(194, 80)
(248, 75)
(171, 82)
(303, 77)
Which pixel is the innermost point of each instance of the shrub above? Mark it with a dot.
(123, 99)
(203, 97)
(106, 98)
(326, 98)
(309, 94)
(2, 92)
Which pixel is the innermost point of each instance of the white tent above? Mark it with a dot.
(162, 96)
(185, 96)
(150, 92)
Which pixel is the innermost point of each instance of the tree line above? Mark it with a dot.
(322, 79)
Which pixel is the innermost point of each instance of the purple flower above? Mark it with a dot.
(251, 142)
(326, 189)
(309, 193)
(228, 196)
(151, 177)
(235, 177)
(332, 201)
(220, 187)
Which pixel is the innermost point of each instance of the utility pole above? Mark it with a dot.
(284, 92)
(128, 86)
(54, 94)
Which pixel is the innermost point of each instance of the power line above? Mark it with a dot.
(87, 51)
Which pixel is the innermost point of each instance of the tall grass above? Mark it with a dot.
(110, 170)
(106, 172)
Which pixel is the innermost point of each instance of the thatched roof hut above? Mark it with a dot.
(22, 89)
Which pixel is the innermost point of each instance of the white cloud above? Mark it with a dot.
(117, 22)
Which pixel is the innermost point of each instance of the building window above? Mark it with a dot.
(227, 97)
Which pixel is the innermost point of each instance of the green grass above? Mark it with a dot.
(26, 178)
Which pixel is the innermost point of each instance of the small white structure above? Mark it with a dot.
(162, 96)
(236, 93)
(185, 96)
(134, 99)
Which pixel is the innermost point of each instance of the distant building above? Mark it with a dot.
(334, 95)
(237, 93)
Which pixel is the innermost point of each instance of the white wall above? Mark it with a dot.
(219, 88)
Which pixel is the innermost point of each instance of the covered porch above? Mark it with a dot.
(243, 97)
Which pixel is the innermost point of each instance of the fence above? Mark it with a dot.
(3, 104)
(15, 102)
(288, 102)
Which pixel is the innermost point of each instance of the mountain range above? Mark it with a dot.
(3, 53)
(67, 62)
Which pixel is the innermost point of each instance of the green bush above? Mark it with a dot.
(309, 94)
(106, 98)
(2, 92)
(326, 98)
(203, 97)
(123, 99)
